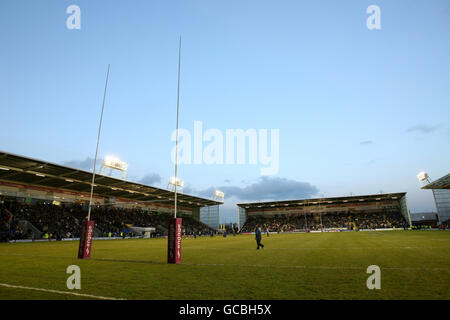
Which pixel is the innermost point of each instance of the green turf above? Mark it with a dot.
(414, 265)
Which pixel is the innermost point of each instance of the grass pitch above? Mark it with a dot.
(414, 265)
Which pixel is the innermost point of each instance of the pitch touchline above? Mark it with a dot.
(59, 292)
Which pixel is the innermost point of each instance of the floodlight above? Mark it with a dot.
(115, 163)
(219, 194)
(176, 181)
(422, 176)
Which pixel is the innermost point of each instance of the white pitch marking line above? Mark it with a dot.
(60, 292)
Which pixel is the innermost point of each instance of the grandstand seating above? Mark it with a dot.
(64, 221)
(363, 220)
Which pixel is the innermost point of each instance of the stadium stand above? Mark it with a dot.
(287, 223)
(359, 212)
(64, 221)
(40, 199)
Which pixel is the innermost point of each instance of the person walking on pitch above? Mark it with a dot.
(258, 238)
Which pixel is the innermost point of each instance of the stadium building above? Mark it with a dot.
(30, 181)
(424, 219)
(441, 190)
(377, 211)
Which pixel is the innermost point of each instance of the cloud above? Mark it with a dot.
(86, 164)
(150, 179)
(265, 188)
(365, 143)
(422, 128)
(191, 191)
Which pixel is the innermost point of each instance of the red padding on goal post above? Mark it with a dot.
(174, 241)
(87, 232)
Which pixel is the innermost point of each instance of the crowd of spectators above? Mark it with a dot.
(9, 227)
(446, 224)
(355, 221)
(45, 217)
(380, 221)
(64, 220)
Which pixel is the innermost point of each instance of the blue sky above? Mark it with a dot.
(358, 110)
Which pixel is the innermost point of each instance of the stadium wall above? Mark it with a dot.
(210, 216)
(404, 210)
(443, 203)
(242, 216)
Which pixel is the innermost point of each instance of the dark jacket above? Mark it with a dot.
(258, 234)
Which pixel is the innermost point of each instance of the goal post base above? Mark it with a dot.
(174, 241)
(86, 234)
